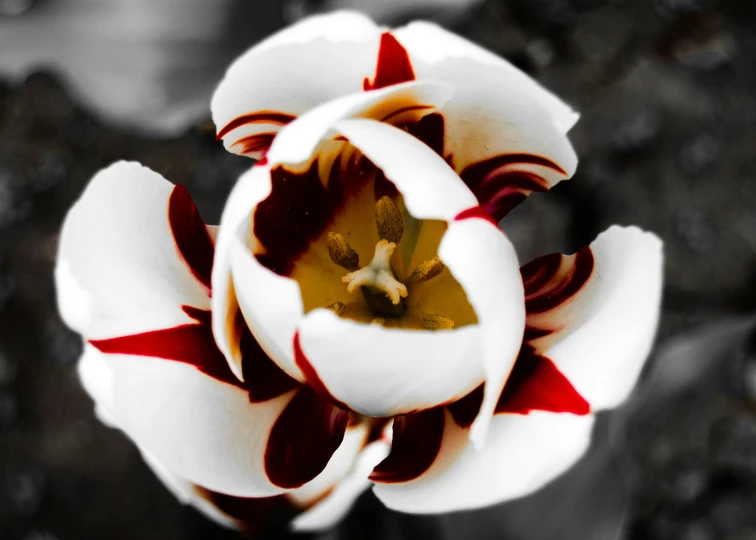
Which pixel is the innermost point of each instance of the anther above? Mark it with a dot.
(431, 321)
(378, 321)
(389, 220)
(336, 307)
(428, 270)
(341, 252)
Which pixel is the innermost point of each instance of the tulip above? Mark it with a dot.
(358, 316)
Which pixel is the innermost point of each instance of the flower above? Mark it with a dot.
(358, 315)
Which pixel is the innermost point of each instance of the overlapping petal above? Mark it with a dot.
(596, 312)
(521, 454)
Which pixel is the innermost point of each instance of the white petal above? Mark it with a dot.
(430, 188)
(253, 187)
(482, 259)
(333, 508)
(605, 331)
(496, 110)
(119, 270)
(381, 371)
(207, 431)
(521, 454)
(295, 70)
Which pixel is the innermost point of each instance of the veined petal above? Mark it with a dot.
(132, 251)
(521, 454)
(504, 133)
(594, 314)
(309, 63)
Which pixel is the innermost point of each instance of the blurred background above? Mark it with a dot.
(667, 141)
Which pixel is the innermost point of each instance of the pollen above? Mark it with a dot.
(388, 219)
(432, 321)
(378, 276)
(428, 270)
(341, 252)
(336, 307)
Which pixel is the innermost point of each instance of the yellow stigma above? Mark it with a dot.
(378, 275)
(389, 220)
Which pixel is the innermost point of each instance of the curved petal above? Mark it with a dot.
(481, 257)
(594, 314)
(309, 63)
(379, 371)
(330, 510)
(521, 454)
(210, 433)
(132, 251)
(505, 134)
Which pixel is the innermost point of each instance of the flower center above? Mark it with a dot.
(384, 294)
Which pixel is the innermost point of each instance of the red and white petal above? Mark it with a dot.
(132, 251)
(209, 432)
(505, 134)
(330, 510)
(521, 454)
(598, 310)
(379, 371)
(261, 289)
(481, 258)
(309, 63)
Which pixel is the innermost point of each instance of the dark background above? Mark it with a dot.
(667, 140)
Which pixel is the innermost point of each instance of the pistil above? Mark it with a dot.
(378, 276)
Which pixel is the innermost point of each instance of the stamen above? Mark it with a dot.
(431, 321)
(336, 307)
(341, 252)
(380, 321)
(389, 220)
(428, 270)
(378, 274)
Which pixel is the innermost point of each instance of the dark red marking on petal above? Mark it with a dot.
(403, 110)
(536, 384)
(377, 427)
(394, 66)
(415, 445)
(466, 409)
(262, 377)
(254, 516)
(263, 161)
(476, 212)
(499, 191)
(190, 235)
(431, 130)
(532, 332)
(553, 279)
(191, 344)
(311, 375)
(303, 439)
(300, 207)
(194, 344)
(260, 117)
(256, 143)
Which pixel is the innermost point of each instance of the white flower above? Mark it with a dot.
(358, 293)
